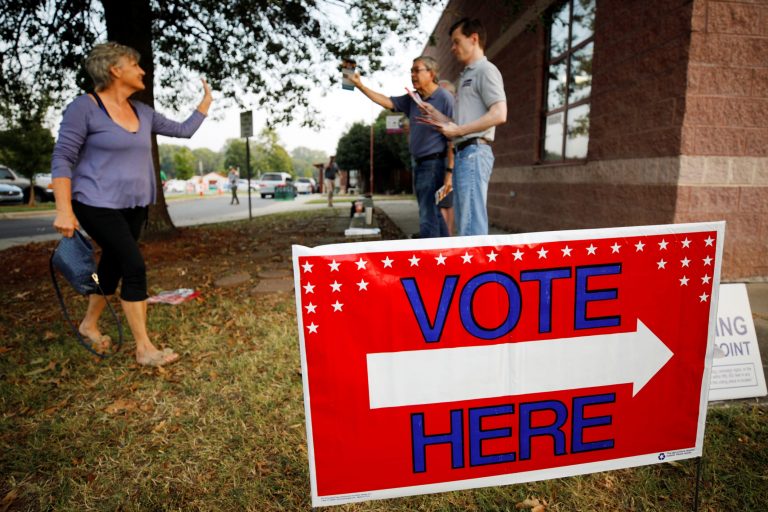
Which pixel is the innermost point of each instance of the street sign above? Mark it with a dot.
(450, 363)
(737, 370)
(246, 124)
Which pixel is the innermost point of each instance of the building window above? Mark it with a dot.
(568, 81)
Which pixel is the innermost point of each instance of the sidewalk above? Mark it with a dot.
(405, 214)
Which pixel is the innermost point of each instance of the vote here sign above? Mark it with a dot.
(444, 364)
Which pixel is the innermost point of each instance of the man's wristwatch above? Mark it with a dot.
(449, 169)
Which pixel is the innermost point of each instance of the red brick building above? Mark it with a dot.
(629, 112)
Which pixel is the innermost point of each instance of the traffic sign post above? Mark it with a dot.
(246, 131)
(452, 363)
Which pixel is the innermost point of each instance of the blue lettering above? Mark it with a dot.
(553, 430)
(580, 423)
(477, 435)
(420, 441)
(466, 301)
(431, 331)
(545, 278)
(585, 296)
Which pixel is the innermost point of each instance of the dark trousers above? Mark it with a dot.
(234, 195)
(117, 232)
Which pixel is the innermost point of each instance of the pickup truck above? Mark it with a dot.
(11, 177)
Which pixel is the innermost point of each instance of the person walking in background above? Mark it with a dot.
(104, 180)
(233, 178)
(330, 178)
(427, 145)
(481, 105)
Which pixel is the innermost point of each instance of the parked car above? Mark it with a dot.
(11, 177)
(10, 194)
(306, 186)
(43, 181)
(269, 180)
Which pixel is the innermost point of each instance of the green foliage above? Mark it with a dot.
(391, 157)
(26, 147)
(184, 163)
(276, 52)
(211, 160)
(304, 160)
(266, 154)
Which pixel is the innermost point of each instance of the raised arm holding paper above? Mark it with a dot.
(428, 146)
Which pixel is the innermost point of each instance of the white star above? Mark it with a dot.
(310, 308)
(313, 328)
(518, 254)
(639, 246)
(707, 261)
(334, 266)
(492, 256)
(705, 279)
(684, 262)
(591, 249)
(361, 263)
(615, 248)
(703, 297)
(684, 281)
(309, 288)
(387, 262)
(686, 243)
(337, 306)
(566, 251)
(542, 253)
(336, 286)
(362, 285)
(663, 245)
(414, 261)
(467, 257)
(307, 267)
(440, 259)
(709, 241)
(661, 264)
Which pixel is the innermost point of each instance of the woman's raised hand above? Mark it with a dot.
(207, 98)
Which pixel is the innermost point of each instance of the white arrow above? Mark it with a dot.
(468, 373)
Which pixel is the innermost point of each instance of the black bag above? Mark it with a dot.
(73, 257)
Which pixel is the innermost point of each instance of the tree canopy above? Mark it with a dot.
(276, 51)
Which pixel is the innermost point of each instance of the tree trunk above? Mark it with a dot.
(130, 23)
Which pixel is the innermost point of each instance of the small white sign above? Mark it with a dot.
(737, 371)
(395, 124)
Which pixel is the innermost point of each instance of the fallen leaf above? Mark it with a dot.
(21, 295)
(49, 335)
(3, 350)
(121, 405)
(50, 367)
(9, 499)
(160, 426)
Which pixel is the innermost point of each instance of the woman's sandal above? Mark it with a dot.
(160, 358)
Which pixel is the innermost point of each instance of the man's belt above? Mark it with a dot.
(431, 156)
(470, 142)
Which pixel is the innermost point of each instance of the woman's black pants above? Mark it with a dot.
(117, 232)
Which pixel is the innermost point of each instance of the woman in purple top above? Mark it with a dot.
(104, 180)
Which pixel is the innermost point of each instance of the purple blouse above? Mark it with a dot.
(109, 166)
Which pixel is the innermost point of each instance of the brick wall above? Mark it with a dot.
(724, 173)
(678, 125)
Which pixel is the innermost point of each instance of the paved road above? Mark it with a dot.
(25, 228)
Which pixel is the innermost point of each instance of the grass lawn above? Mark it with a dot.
(223, 428)
(26, 208)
